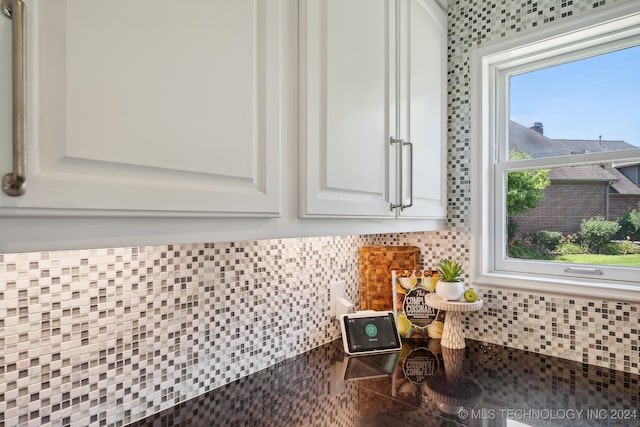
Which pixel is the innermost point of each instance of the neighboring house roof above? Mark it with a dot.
(625, 164)
(522, 138)
(623, 185)
(582, 173)
(582, 146)
(528, 140)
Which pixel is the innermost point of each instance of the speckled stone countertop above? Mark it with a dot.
(424, 385)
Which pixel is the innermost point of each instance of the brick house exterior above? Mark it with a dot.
(624, 194)
(564, 207)
(620, 204)
(576, 193)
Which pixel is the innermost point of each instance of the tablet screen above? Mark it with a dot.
(371, 333)
(370, 366)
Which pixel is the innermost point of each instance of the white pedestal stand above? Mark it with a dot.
(453, 333)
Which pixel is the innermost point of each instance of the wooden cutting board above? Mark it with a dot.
(376, 263)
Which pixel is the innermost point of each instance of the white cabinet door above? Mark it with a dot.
(150, 107)
(372, 70)
(423, 34)
(347, 92)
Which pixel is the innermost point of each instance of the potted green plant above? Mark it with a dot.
(449, 286)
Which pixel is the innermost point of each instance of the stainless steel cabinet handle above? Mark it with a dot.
(408, 205)
(399, 144)
(13, 183)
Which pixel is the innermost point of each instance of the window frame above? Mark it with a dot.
(491, 68)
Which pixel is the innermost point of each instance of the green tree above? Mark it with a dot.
(630, 225)
(525, 189)
(597, 233)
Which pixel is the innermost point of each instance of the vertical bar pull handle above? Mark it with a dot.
(408, 205)
(399, 144)
(13, 183)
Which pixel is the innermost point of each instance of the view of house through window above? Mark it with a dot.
(585, 211)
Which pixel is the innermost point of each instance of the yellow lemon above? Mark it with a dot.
(470, 295)
(435, 329)
(404, 326)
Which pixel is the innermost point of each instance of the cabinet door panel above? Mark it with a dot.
(154, 106)
(423, 56)
(346, 66)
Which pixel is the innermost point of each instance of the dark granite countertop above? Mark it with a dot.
(481, 385)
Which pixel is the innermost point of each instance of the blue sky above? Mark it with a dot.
(583, 99)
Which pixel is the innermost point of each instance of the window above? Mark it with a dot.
(557, 159)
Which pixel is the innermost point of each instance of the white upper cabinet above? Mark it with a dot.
(346, 107)
(423, 94)
(149, 107)
(157, 122)
(372, 71)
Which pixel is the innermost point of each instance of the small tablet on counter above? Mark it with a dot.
(368, 332)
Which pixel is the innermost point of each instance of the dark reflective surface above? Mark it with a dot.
(482, 385)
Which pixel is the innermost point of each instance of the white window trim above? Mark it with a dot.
(490, 67)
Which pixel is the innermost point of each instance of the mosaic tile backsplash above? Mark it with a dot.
(109, 336)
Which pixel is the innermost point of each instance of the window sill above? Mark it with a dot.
(548, 284)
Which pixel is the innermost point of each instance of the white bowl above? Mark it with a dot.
(450, 291)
